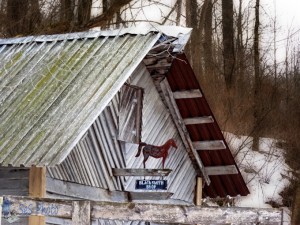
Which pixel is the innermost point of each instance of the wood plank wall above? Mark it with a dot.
(14, 181)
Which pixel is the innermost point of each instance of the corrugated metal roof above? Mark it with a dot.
(181, 78)
(52, 90)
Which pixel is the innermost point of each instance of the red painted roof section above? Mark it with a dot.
(181, 77)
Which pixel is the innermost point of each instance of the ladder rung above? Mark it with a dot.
(198, 120)
(209, 145)
(195, 93)
(221, 170)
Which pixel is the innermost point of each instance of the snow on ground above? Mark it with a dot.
(264, 171)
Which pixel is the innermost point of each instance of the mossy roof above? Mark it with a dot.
(52, 88)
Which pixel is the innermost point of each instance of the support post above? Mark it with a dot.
(37, 188)
(81, 214)
(1, 202)
(199, 191)
(296, 207)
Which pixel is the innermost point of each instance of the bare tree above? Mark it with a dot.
(257, 82)
(228, 42)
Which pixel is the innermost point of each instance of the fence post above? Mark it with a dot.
(37, 188)
(1, 202)
(81, 214)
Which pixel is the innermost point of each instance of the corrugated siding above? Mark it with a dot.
(52, 91)
(99, 151)
(157, 128)
(92, 159)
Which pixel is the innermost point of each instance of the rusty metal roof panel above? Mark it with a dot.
(53, 89)
(181, 78)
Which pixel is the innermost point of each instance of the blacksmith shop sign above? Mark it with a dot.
(151, 185)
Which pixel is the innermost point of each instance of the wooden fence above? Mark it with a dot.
(82, 212)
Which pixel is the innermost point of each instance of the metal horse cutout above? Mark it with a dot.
(156, 151)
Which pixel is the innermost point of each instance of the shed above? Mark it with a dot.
(79, 104)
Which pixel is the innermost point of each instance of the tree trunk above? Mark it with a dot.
(35, 17)
(84, 11)
(15, 19)
(207, 45)
(240, 53)
(257, 82)
(67, 12)
(228, 42)
(193, 48)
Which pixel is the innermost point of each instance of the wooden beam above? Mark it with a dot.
(85, 192)
(183, 132)
(221, 170)
(81, 214)
(37, 188)
(140, 172)
(155, 213)
(196, 93)
(198, 120)
(209, 145)
(150, 195)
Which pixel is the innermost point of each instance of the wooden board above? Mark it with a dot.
(198, 120)
(65, 188)
(150, 195)
(187, 94)
(141, 172)
(37, 188)
(221, 170)
(156, 213)
(209, 145)
(81, 213)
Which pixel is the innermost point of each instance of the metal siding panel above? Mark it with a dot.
(157, 128)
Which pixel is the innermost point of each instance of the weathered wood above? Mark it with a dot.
(17, 221)
(37, 181)
(296, 207)
(1, 201)
(196, 93)
(36, 220)
(81, 214)
(198, 120)
(221, 170)
(170, 214)
(131, 98)
(156, 213)
(141, 172)
(58, 221)
(183, 132)
(14, 173)
(199, 191)
(150, 195)
(84, 192)
(209, 145)
(37, 188)
(27, 206)
(20, 184)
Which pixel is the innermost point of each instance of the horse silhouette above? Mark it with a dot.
(155, 151)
